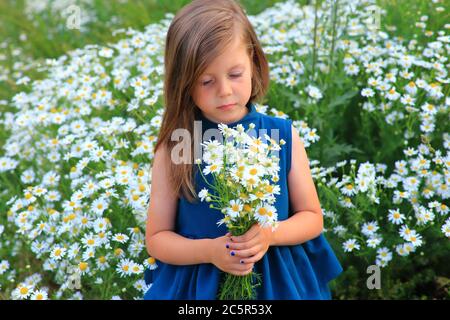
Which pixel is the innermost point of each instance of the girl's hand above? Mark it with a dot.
(221, 257)
(252, 245)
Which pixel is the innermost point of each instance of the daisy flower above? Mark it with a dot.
(373, 242)
(414, 238)
(150, 263)
(23, 291)
(120, 237)
(445, 229)
(136, 268)
(369, 228)
(102, 263)
(140, 285)
(213, 168)
(405, 232)
(39, 295)
(99, 206)
(203, 194)
(314, 92)
(4, 265)
(266, 214)
(124, 267)
(88, 254)
(234, 208)
(89, 240)
(392, 94)
(58, 253)
(395, 216)
(384, 254)
(367, 92)
(83, 267)
(381, 262)
(350, 245)
(348, 190)
(100, 224)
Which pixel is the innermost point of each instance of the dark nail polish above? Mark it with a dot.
(242, 261)
(227, 245)
(232, 253)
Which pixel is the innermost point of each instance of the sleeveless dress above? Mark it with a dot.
(290, 272)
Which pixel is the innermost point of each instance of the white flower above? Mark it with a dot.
(373, 242)
(414, 238)
(369, 228)
(445, 229)
(58, 253)
(124, 267)
(120, 237)
(395, 216)
(99, 206)
(22, 291)
(234, 209)
(203, 194)
(150, 263)
(349, 189)
(136, 268)
(384, 254)
(392, 94)
(265, 214)
(4, 265)
(405, 232)
(213, 168)
(39, 295)
(351, 245)
(367, 92)
(314, 92)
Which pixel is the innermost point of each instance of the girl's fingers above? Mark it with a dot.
(246, 253)
(250, 234)
(253, 259)
(242, 245)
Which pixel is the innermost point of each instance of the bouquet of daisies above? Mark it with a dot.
(245, 175)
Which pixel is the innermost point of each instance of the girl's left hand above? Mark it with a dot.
(252, 245)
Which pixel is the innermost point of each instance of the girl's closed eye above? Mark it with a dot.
(234, 76)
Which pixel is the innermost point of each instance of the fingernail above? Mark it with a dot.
(232, 253)
(227, 245)
(242, 261)
(231, 238)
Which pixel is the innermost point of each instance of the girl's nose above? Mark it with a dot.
(225, 88)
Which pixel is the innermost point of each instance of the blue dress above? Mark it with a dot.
(288, 272)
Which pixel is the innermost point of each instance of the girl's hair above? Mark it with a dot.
(199, 32)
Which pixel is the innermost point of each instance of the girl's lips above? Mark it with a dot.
(227, 106)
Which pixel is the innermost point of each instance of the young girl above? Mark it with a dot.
(215, 70)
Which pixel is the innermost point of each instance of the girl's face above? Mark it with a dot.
(226, 81)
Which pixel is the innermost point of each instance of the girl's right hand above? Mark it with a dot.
(220, 256)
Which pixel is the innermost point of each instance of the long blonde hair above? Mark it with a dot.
(199, 32)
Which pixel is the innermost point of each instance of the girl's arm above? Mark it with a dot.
(307, 221)
(166, 245)
(161, 241)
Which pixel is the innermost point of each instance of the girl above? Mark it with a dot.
(215, 70)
